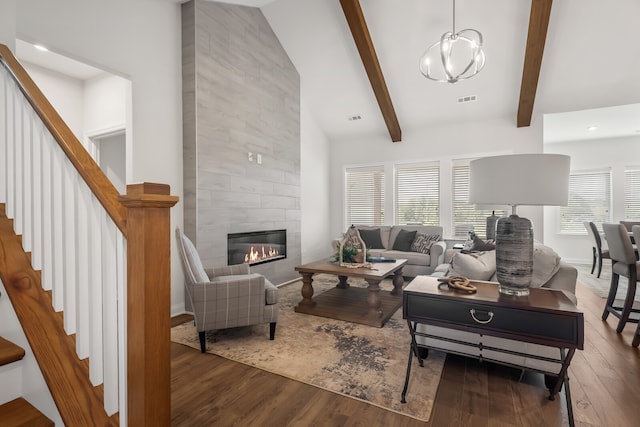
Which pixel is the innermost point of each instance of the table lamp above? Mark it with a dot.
(518, 179)
(492, 219)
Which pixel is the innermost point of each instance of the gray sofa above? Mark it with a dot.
(417, 263)
(549, 272)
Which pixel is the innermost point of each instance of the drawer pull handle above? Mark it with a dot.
(484, 322)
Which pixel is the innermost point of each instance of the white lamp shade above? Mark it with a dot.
(520, 179)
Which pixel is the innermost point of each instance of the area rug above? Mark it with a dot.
(600, 286)
(359, 361)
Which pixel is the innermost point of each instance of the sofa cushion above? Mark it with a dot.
(403, 241)
(423, 242)
(474, 266)
(385, 230)
(413, 258)
(371, 238)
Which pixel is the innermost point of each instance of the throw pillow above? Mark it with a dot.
(404, 240)
(423, 242)
(474, 266)
(371, 238)
(482, 245)
(546, 263)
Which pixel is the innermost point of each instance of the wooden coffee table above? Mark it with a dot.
(369, 306)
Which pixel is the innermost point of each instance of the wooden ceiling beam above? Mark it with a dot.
(362, 38)
(538, 24)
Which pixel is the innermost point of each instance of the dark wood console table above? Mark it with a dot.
(546, 317)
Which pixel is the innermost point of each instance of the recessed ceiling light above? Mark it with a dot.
(41, 48)
(592, 128)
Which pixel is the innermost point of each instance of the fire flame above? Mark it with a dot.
(259, 254)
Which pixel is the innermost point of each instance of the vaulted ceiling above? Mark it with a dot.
(587, 58)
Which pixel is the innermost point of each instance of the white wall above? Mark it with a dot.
(105, 103)
(65, 93)
(615, 153)
(314, 188)
(8, 24)
(140, 40)
(445, 144)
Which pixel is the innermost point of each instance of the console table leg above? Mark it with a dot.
(412, 350)
(307, 290)
(374, 298)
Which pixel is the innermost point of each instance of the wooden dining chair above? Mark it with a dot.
(636, 338)
(598, 252)
(623, 263)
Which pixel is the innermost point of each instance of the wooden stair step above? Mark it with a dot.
(9, 352)
(19, 413)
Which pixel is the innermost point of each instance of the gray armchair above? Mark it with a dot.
(226, 297)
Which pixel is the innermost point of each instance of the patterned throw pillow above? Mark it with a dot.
(423, 242)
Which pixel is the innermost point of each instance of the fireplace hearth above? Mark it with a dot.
(256, 247)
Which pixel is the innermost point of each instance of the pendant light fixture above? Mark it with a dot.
(456, 56)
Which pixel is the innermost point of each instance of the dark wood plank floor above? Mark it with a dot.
(605, 384)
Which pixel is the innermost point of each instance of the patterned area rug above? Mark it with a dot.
(358, 361)
(601, 285)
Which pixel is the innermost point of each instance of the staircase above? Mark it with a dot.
(86, 273)
(18, 412)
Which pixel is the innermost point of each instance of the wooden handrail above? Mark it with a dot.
(88, 169)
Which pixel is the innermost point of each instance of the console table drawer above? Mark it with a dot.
(496, 320)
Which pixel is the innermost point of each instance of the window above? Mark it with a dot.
(364, 196)
(589, 200)
(465, 217)
(417, 193)
(631, 193)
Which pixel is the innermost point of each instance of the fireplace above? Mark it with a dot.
(256, 247)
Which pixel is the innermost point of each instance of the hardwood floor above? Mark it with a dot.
(604, 378)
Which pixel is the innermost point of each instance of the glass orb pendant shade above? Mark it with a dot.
(456, 56)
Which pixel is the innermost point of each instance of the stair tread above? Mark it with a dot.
(19, 412)
(9, 352)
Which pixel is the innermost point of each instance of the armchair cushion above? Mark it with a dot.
(228, 270)
(194, 264)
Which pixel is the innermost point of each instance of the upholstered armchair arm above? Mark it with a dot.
(437, 253)
(227, 270)
(228, 301)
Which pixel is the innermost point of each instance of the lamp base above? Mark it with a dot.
(514, 255)
(491, 226)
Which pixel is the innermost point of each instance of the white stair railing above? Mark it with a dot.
(73, 241)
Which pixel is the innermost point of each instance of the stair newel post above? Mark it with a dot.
(148, 304)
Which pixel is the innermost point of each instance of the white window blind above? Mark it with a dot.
(632, 194)
(364, 196)
(417, 194)
(589, 200)
(465, 217)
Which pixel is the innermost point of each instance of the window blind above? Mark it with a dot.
(589, 200)
(364, 195)
(417, 194)
(465, 217)
(632, 194)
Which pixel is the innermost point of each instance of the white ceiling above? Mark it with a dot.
(591, 61)
(27, 52)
